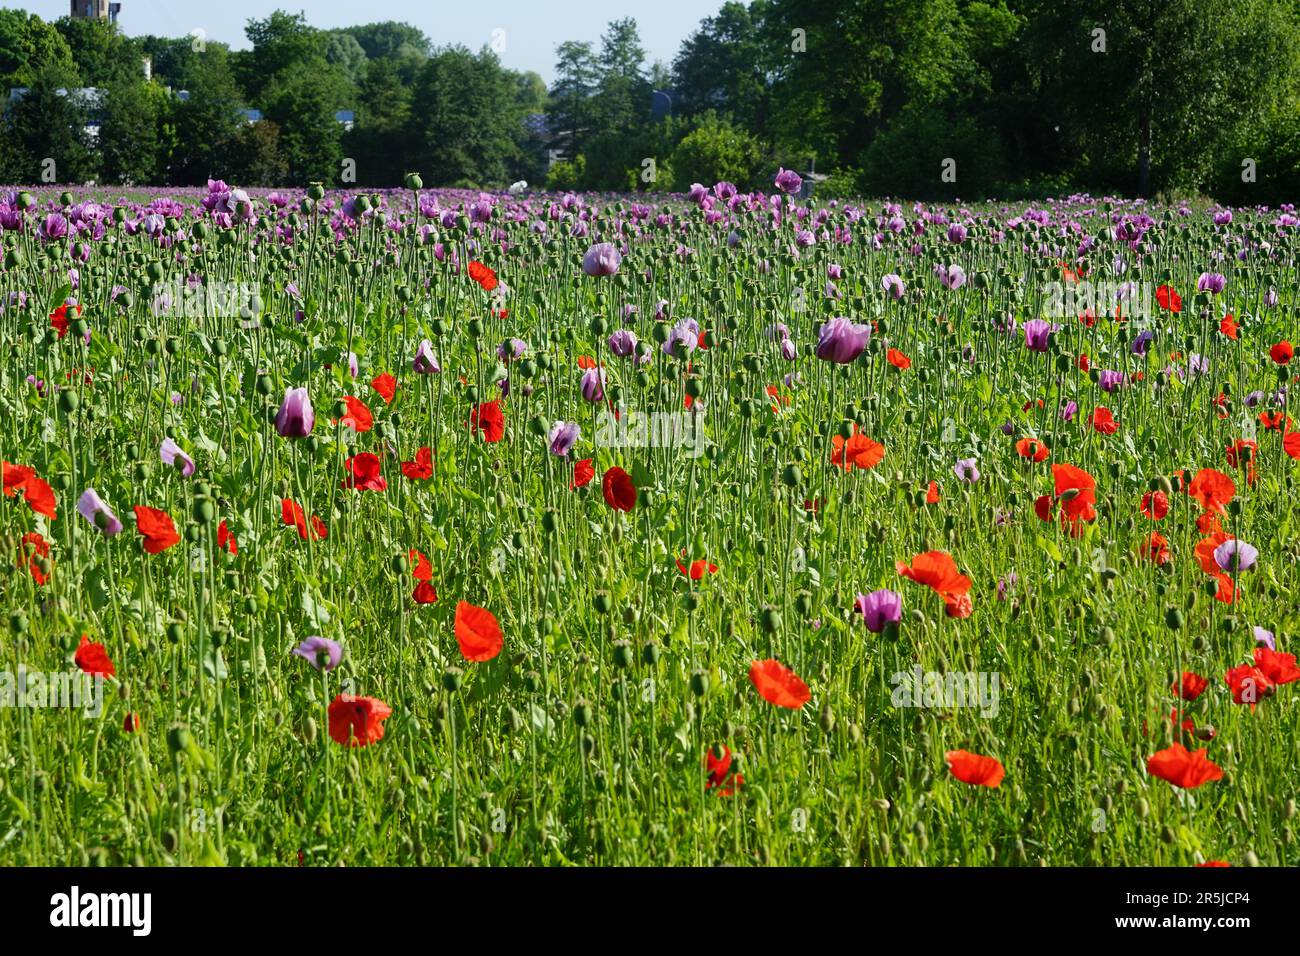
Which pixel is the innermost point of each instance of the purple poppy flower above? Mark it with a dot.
(1142, 342)
(1223, 217)
(1109, 380)
(1211, 282)
(835, 271)
(686, 334)
(426, 362)
(880, 608)
(1006, 584)
(1235, 555)
(1270, 297)
(950, 277)
(1068, 410)
(623, 343)
(789, 351)
(956, 233)
(602, 259)
(841, 341)
(893, 284)
(92, 507)
(593, 384)
(1037, 335)
(320, 652)
(966, 471)
(564, 435)
(353, 368)
(1264, 638)
(296, 417)
(512, 349)
(788, 181)
(171, 454)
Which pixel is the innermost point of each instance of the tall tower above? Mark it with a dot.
(96, 10)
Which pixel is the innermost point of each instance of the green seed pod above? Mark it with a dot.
(452, 678)
(699, 682)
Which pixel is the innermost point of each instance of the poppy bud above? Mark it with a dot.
(791, 476)
(68, 402)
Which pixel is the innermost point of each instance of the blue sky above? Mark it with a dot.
(532, 27)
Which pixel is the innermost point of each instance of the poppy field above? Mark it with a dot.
(432, 527)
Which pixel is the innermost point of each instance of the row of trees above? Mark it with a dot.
(926, 98)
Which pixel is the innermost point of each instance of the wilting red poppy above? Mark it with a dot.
(1228, 326)
(859, 451)
(1032, 449)
(975, 769)
(1249, 684)
(358, 416)
(898, 359)
(36, 491)
(424, 593)
(937, 571)
(93, 658)
(779, 685)
(386, 386)
(490, 420)
(1183, 768)
(583, 472)
(291, 513)
(363, 473)
(357, 721)
(1103, 421)
(1213, 489)
(225, 539)
(40, 549)
(422, 467)
(1282, 353)
(1169, 300)
(697, 569)
(1155, 505)
(484, 276)
(620, 493)
(1155, 549)
(157, 529)
(721, 776)
(1191, 686)
(1279, 668)
(477, 632)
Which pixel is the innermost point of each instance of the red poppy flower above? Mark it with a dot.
(15, 477)
(1044, 507)
(386, 386)
(131, 722)
(697, 569)
(357, 721)
(932, 493)
(421, 566)
(1291, 444)
(358, 416)
(958, 605)
(1155, 549)
(1249, 684)
(1213, 489)
(40, 497)
(1212, 864)
(1282, 353)
(583, 472)
(422, 467)
(620, 493)
(1205, 551)
(1084, 363)
(424, 593)
(1192, 686)
(1033, 449)
(490, 420)
(1183, 768)
(1275, 422)
(1208, 523)
(1169, 300)
(59, 319)
(937, 571)
(586, 362)
(40, 549)
(859, 451)
(225, 539)
(477, 632)
(1241, 453)
(363, 473)
(1103, 421)
(721, 776)
(484, 276)
(898, 359)
(291, 513)
(779, 685)
(975, 769)
(1277, 667)
(157, 529)
(1076, 491)
(93, 658)
(1228, 326)
(1155, 505)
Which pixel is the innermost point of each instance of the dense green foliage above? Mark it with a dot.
(1012, 97)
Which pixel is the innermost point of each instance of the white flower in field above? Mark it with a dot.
(517, 188)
